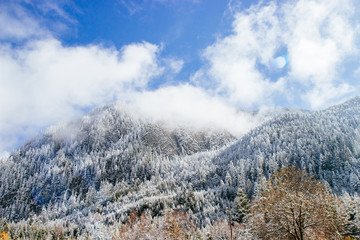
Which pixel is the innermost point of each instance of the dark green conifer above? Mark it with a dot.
(240, 206)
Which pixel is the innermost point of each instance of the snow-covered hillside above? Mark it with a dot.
(102, 166)
(108, 147)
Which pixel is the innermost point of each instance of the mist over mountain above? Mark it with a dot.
(99, 168)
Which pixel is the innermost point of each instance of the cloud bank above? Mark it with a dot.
(295, 51)
(44, 82)
(190, 106)
(319, 39)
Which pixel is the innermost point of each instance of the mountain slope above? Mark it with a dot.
(108, 146)
(324, 143)
(101, 167)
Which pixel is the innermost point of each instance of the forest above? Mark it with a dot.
(110, 175)
(291, 205)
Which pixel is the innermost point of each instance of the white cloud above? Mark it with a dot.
(326, 94)
(317, 36)
(23, 19)
(322, 36)
(233, 60)
(17, 24)
(175, 65)
(44, 82)
(187, 105)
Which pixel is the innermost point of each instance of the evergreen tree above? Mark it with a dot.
(240, 206)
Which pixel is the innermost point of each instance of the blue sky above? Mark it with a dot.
(195, 60)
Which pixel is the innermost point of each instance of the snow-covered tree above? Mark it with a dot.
(240, 206)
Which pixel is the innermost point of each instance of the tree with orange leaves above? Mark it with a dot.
(294, 205)
(4, 236)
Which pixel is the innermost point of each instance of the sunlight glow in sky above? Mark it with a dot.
(281, 61)
(61, 58)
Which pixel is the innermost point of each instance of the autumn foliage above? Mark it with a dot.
(4, 236)
(293, 205)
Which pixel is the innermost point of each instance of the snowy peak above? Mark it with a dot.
(112, 126)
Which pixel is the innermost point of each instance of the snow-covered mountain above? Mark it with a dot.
(110, 146)
(110, 162)
(324, 143)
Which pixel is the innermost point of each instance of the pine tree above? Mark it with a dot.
(240, 206)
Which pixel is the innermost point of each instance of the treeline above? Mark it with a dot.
(291, 205)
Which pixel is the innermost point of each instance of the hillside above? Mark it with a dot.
(326, 144)
(110, 162)
(109, 148)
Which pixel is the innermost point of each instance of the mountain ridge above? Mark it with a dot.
(111, 162)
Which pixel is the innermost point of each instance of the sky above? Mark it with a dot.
(195, 60)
